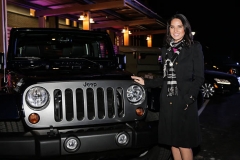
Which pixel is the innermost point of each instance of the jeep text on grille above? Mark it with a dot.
(89, 84)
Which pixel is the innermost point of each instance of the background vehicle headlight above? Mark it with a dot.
(136, 94)
(222, 81)
(233, 71)
(37, 97)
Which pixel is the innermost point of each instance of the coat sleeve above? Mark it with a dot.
(198, 75)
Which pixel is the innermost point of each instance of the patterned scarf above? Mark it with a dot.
(168, 68)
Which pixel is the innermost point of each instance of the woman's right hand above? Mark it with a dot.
(137, 79)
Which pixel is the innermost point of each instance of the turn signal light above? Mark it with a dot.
(140, 111)
(215, 85)
(34, 118)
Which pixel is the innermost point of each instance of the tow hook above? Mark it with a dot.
(51, 133)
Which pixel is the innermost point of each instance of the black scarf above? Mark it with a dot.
(168, 69)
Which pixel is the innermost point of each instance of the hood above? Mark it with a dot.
(218, 74)
(18, 81)
(68, 75)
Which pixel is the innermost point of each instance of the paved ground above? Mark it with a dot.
(220, 125)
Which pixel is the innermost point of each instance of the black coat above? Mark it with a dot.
(179, 127)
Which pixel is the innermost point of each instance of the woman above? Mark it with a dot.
(183, 69)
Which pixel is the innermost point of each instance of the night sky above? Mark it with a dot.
(216, 23)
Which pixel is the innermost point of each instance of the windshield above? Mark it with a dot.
(60, 45)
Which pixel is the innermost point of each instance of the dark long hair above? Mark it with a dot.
(188, 37)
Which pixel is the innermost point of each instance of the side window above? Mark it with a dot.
(1, 62)
(95, 49)
(100, 48)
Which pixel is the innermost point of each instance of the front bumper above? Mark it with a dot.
(35, 143)
(226, 89)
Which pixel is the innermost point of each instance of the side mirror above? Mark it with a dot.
(1, 62)
(121, 59)
(1, 70)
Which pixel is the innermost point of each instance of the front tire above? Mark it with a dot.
(11, 126)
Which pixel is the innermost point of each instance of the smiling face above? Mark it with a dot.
(177, 30)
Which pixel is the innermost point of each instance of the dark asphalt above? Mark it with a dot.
(220, 127)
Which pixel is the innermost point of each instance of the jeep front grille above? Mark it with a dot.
(74, 104)
(88, 97)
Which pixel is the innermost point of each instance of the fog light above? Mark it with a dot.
(33, 118)
(122, 138)
(72, 144)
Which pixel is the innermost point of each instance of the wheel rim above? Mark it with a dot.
(207, 90)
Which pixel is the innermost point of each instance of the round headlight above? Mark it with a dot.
(136, 94)
(37, 97)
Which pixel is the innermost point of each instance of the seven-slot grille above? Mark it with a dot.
(90, 103)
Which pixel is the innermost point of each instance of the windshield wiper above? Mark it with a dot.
(27, 58)
(93, 62)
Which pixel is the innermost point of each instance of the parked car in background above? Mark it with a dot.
(222, 63)
(217, 82)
